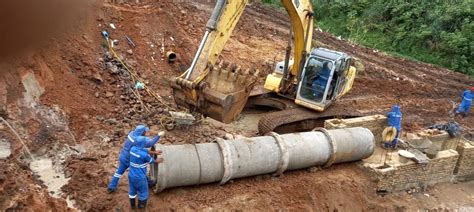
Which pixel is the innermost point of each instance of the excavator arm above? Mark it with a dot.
(220, 91)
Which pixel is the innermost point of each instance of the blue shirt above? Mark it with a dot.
(467, 96)
(130, 142)
(139, 160)
(395, 120)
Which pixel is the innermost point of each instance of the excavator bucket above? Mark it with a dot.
(221, 95)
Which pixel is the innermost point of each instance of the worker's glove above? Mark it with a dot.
(157, 152)
(161, 134)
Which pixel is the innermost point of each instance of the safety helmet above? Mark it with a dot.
(140, 141)
(140, 129)
(396, 108)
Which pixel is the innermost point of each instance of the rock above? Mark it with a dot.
(97, 78)
(85, 116)
(130, 52)
(79, 148)
(113, 68)
(228, 136)
(104, 154)
(108, 64)
(412, 136)
(97, 94)
(5, 150)
(314, 169)
(108, 56)
(126, 120)
(99, 118)
(111, 121)
(109, 94)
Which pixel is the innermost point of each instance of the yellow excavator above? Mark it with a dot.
(312, 78)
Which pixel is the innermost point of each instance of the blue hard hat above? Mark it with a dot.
(140, 129)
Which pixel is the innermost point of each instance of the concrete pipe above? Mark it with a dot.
(224, 160)
(171, 56)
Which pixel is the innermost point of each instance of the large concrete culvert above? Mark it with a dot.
(224, 160)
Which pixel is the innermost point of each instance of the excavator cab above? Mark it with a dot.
(326, 76)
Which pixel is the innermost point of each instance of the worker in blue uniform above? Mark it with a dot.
(124, 157)
(466, 103)
(395, 120)
(137, 175)
(321, 80)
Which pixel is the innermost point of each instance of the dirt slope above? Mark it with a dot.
(76, 75)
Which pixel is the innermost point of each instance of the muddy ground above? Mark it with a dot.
(69, 102)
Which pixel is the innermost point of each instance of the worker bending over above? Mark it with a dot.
(466, 102)
(124, 157)
(395, 121)
(137, 175)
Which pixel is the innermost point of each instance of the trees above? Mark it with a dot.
(439, 32)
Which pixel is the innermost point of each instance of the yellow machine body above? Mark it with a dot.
(221, 90)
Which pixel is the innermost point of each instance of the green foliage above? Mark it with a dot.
(434, 31)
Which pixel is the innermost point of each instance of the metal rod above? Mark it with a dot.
(196, 57)
(19, 138)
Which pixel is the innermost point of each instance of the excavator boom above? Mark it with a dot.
(220, 91)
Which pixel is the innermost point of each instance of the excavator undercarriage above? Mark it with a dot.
(288, 117)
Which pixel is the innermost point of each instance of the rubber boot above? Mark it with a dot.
(133, 204)
(142, 205)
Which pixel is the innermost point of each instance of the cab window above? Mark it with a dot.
(315, 79)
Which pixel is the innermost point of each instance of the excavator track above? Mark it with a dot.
(299, 119)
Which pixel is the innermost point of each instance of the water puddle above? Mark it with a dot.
(52, 176)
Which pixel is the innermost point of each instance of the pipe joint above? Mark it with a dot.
(332, 144)
(226, 156)
(285, 155)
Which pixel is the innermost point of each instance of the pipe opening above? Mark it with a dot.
(171, 57)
